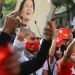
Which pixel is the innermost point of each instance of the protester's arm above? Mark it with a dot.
(9, 27)
(53, 47)
(68, 53)
(36, 62)
(19, 42)
(52, 51)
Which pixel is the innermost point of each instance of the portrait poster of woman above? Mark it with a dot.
(42, 11)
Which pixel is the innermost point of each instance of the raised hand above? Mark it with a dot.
(50, 30)
(11, 23)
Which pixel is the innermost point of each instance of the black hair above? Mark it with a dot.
(22, 4)
(55, 53)
(62, 49)
(73, 34)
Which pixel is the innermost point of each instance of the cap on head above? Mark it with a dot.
(64, 33)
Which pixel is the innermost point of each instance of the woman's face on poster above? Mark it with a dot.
(27, 11)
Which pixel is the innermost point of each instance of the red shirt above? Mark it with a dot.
(69, 69)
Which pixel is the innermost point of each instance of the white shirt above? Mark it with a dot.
(55, 71)
(45, 66)
(20, 47)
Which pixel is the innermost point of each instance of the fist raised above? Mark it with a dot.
(10, 23)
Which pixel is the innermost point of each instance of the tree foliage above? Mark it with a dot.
(9, 5)
(59, 3)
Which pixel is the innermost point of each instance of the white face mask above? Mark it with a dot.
(73, 58)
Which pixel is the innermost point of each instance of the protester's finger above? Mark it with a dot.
(49, 24)
(52, 24)
(14, 14)
(48, 31)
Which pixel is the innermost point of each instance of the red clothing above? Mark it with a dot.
(69, 69)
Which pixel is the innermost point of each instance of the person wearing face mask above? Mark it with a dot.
(66, 65)
(64, 37)
(27, 49)
(56, 53)
(11, 64)
(63, 40)
(26, 8)
(28, 67)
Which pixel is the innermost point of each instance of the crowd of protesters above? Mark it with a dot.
(23, 53)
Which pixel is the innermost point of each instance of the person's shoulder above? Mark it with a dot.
(23, 58)
(60, 64)
(45, 65)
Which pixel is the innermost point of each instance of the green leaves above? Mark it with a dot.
(9, 5)
(59, 3)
